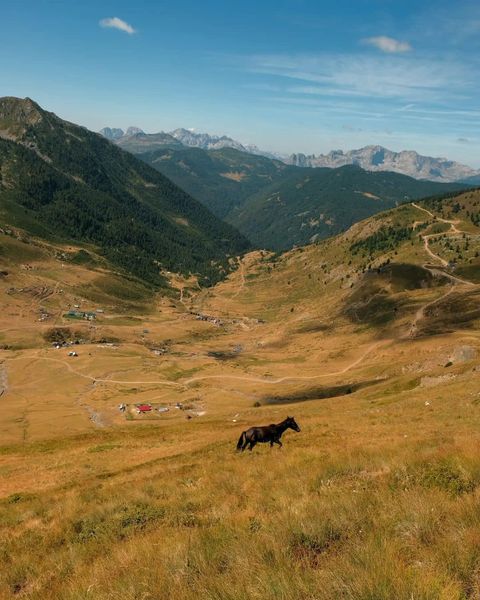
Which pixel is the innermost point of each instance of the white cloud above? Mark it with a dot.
(388, 44)
(117, 23)
(404, 78)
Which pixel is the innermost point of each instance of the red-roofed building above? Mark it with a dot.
(144, 408)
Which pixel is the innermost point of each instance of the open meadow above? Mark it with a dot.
(370, 340)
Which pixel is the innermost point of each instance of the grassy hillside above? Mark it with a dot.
(60, 180)
(370, 339)
(314, 204)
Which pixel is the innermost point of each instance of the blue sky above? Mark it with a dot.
(297, 75)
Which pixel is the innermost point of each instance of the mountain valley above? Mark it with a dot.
(276, 206)
(369, 338)
(140, 336)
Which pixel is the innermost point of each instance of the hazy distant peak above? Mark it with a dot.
(205, 141)
(112, 133)
(181, 135)
(133, 131)
(378, 158)
(371, 158)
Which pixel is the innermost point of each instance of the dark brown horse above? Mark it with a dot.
(269, 433)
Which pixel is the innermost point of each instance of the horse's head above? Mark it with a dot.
(292, 424)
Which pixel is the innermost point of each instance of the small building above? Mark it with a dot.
(74, 314)
(144, 408)
(79, 314)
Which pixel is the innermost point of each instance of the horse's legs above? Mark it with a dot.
(252, 445)
(271, 443)
(279, 443)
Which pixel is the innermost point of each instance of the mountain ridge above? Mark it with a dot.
(317, 203)
(278, 206)
(370, 157)
(60, 179)
(378, 158)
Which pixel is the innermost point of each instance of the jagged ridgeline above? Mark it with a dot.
(60, 181)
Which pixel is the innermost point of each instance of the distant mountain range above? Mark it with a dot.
(370, 158)
(378, 158)
(134, 138)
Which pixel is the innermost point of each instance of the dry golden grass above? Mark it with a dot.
(377, 498)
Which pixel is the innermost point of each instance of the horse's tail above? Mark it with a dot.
(241, 440)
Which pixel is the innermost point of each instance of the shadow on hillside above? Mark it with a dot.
(379, 297)
(312, 326)
(320, 392)
(459, 310)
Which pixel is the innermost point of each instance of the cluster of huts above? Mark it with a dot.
(215, 320)
(144, 408)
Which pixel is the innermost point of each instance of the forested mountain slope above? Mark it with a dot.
(317, 203)
(59, 179)
(221, 179)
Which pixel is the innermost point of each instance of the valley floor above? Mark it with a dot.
(376, 497)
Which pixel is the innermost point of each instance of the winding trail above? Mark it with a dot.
(426, 242)
(430, 214)
(3, 379)
(420, 313)
(242, 282)
(97, 379)
(187, 382)
(426, 239)
(265, 380)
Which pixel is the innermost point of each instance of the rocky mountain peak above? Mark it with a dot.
(133, 131)
(16, 114)
(371, 158)
(379, 158)
(112, 133)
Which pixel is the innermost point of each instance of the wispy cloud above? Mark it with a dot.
(116, 23)
(325, 91)
(404, 78)
(388, 44)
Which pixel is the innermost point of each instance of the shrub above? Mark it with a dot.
(309, 547)
(58, 335)
(440, 474)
